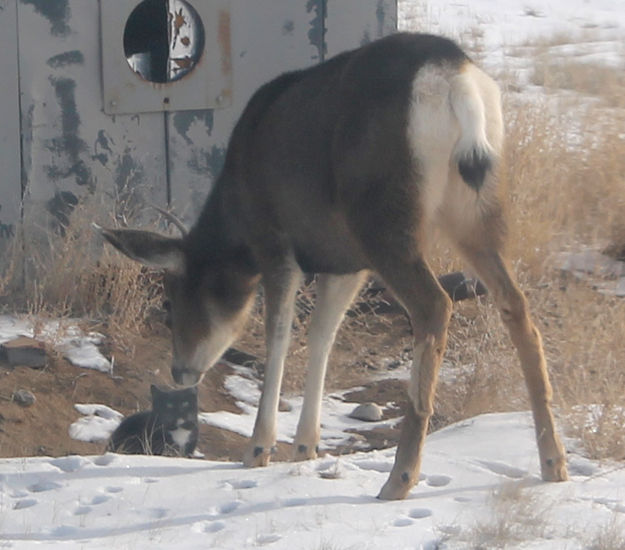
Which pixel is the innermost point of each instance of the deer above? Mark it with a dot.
(344, 169)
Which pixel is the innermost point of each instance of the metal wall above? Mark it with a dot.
(60, 142)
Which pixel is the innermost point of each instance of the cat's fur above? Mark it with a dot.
(170, 428)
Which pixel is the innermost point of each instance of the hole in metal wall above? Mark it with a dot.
(163, 40)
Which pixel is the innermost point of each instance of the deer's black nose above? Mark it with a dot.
(184, 377)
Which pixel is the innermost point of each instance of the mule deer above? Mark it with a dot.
(341, 169)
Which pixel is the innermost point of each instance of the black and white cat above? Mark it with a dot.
(170, 428)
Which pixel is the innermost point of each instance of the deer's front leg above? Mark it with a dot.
(334, 294)
(280, 286)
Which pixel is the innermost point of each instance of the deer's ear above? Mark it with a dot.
(148, 248)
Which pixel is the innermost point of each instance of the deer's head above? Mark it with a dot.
(207, 301)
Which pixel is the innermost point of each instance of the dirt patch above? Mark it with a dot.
(42, 429)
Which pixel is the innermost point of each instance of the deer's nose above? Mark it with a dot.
(184, 377)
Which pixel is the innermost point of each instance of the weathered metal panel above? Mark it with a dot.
(207, 85)
(352, 23)
(70, 147)
(269, 37)
(10, 184)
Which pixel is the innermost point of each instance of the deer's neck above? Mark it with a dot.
(216, 237)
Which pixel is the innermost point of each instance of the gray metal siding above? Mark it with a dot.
(57, 144)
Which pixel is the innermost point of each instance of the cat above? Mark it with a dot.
(170, 428)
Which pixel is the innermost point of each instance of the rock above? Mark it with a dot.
(24, 398)
(24, 351)
(368, 412)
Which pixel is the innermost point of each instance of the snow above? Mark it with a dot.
(138, 502)
(78, 348)
(480, 481)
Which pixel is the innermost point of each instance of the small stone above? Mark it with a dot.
(368, 412)
(24, 398)
(25, 352)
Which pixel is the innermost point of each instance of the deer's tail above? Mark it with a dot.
(473, 153)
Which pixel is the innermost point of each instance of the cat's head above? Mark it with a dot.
(175, 408)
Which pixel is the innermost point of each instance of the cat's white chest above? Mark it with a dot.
(180, 436)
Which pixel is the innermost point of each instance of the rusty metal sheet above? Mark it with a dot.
(191, 24)
(70, 148)
(10, 180)
(352, 23)
(269, 37)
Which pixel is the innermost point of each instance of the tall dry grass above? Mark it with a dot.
(69, 273)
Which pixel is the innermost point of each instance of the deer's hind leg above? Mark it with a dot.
(491, 269)
(386, 218)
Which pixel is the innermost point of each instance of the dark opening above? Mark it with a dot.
(163, 39)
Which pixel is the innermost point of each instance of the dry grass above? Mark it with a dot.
(517, 515)
(610, 536)
(72, 275)
(599, 81)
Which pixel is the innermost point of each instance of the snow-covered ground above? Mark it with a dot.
(479, 486)
(479, 483)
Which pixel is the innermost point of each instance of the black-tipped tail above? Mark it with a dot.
(473, 167)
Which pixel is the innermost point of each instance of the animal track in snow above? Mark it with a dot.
(268, 538)
(104, 460)
(158, 513)
(502, 469)
(69, 464)
(229, 507)
(44, 485)
(114, 489)
(242, 483)
(24, 503)
(82, 510)
(100, 499)
(420, 513)
(208, 526)
(415, 513)
(437, 480)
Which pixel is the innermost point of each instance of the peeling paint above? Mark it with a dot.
(74, 57)
(288, 27)
(61, 207)
(380, 14)
(57, 12)
(102, 148)
(182, 121)
(211, 162)
(7, 230)
(69, 144)
(317, 31)
(129, 177)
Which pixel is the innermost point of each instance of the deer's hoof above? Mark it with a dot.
(396, 487)
(554, 469)
(304, 452)
(258, 456)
